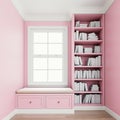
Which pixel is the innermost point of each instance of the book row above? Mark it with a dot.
(91, 24)
(87, 74)
(87, 99)
(85, 36)
(82, 49)
(82, 86)
(92, 61)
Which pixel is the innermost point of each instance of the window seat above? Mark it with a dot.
(44, 91)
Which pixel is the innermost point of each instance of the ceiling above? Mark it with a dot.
(58, 9)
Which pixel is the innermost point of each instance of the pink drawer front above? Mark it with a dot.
(30, 102)
(58, 102)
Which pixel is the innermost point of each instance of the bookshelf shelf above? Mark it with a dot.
(88, 54)
(87, 80)
(88, 29)
(88, 104)
(87, 38)
(88, 67)
(90, 92)
(88, 41)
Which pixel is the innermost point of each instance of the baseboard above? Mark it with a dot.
(113, 114)
(9, 116)
(89, 108)
(60, 111)
(38, 111)
(45, 111)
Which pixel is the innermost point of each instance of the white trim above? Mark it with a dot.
(9, 116)
(64, 30)
(113, 114)
(107, 5)
(90, 108)
(45, 111)
(60, 111)
(60, 16)
(38, 111)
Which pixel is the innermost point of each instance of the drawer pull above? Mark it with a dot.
(30, 102)
(58, 102)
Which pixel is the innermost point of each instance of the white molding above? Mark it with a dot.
(60, 111)
(107, 5)
(9, 116)
(90, 108)
(38, 111)
(60, 16)
(45, 111)
(113, 114)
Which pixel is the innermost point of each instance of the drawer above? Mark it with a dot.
(30, 102)
(58, 102)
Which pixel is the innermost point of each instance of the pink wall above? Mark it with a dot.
(112, 57)
(11, 56)
(53, 23)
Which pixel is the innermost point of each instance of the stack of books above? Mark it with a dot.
(88, 50)
(97, 49)
(78, 49)
(78, 98)
(94, 61)
(80, 36)
(87, 74)
(92, 36)
(80, 86)
(94, 24)
(95, 87)
(84, 36)
(92, 98)
(78, 24)
(78, 61)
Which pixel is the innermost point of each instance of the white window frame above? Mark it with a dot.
(64, 29)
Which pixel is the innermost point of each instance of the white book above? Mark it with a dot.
(97, 49)
(77, 99)
(76, 74)
(77, 35)
(80, 74)
(89, 74)
(98, 74)
(86, 86)
(84, 74)
(77, 24)
(75, 86)
(80, 99)
(80, 61)
(80, 49)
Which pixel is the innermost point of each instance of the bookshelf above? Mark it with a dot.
(88, 59)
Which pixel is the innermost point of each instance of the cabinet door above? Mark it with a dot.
(30, 102)
(58, 101)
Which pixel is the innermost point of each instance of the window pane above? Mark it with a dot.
(40, 49)
(40, 63)
(55, 37)
(40, 37)
(55, 76)
(55, 63)
(40, 75)
(55, 49)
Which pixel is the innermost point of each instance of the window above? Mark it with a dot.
(47, 56)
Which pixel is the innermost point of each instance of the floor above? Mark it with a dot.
(79, 115)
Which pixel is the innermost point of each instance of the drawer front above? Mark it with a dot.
(58, 102)
(30, 102)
